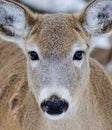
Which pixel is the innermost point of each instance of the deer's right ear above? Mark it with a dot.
(16, 22)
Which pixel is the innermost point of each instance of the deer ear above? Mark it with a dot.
(97, 17)
(14, 22)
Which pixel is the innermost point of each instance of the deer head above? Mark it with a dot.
(57, 48)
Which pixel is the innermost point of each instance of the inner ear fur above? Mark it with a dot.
(14, 24)
(96, 18)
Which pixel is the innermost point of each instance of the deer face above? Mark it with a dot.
(57, 63)
(57, 49)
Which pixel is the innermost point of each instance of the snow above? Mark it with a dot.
(101, 42)
(57, 5)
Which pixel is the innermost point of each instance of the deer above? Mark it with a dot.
(61, 87)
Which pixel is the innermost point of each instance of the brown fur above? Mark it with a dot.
(54, 36)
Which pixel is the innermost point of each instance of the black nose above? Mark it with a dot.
(54, 106)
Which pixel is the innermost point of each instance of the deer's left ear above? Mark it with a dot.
(97, 17)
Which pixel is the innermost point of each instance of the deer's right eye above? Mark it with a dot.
(33, 55)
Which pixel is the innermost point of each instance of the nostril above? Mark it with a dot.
(45, 105)
(66, 105)
(48, 103)
(61, 102)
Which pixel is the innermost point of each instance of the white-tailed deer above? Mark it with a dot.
(67, 90)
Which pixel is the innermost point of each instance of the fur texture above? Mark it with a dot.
(55, 38)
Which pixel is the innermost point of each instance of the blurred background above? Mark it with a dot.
(102, 45)
(55, 6)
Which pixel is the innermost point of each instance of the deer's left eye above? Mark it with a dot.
(78, 55)
(33, 55)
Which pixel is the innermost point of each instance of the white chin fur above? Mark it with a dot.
(54, 117)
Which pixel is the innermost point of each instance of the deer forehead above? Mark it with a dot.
(57, 34)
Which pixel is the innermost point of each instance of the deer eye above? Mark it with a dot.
(78, 55)
(33, 55)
